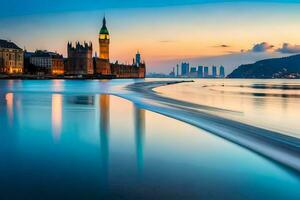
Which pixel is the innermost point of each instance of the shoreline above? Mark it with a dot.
(275, 146)
(108, 77)
(63, 77)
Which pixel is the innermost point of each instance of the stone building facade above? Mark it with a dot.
(58, 66)
(80, 60)
(11, 58)
(128, 71)
(102, 66)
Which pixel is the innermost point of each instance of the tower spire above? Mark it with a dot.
(103, 29)
(104, 21)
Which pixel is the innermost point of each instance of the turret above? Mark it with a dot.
(138, 58)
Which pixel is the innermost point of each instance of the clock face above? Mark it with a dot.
(104, 37)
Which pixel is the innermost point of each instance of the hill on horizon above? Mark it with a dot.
(286, 67)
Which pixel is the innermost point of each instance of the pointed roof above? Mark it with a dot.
(8, 44)
(104, 29)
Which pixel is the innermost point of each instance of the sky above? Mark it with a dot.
(166, 32)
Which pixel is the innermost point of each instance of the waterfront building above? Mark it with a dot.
(177, 70)
(200, 71)
(214, 71)
(185, 69)
(11, 58)
(205, 72)
(28, 68)
(222, 72)
(44, 62)
(58, 66)
(127, 71)
(103, 67)
(80, 61)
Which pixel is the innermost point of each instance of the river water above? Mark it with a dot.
(270, 104)
(77, 140)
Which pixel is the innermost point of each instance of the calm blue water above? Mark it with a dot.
(69, 140)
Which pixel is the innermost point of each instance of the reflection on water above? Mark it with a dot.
(139, 137)
(84, 100)
(9, 97)
(58, 85)
(104, 137)
(56, 115)
(271, 104)
(90, 146)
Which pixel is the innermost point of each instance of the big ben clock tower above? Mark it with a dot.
(104, 41)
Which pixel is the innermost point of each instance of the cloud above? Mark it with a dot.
(231, 52)
(222, 46)
(262, 47)
(288, 48)
(166, 41)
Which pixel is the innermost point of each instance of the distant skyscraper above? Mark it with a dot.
(185, 69)
(200, 71)
(177, 70)
(193, 72)
(205, 72)
(214, 71)
(222, 72)
(193, 69)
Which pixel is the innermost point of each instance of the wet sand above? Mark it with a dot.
(273, 145)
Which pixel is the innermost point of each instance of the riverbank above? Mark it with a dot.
(271, 144)
(62, 77)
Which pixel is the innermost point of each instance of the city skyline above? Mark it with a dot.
(200, 71)
(260, 30)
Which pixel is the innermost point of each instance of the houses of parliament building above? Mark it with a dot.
(81, 62)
